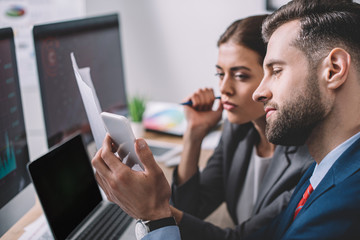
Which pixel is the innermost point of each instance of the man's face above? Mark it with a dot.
(289, 90)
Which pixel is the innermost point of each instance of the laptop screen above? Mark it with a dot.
(66, 186)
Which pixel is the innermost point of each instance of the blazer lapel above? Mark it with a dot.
(272, 175)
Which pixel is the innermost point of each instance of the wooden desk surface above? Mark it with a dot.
(220, 217)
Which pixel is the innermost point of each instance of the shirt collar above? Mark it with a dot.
(327, 162)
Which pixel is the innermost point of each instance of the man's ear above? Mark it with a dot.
(336, 68)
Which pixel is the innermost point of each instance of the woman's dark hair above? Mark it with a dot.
(246, 32)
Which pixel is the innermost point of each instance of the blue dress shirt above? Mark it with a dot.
(170, 233)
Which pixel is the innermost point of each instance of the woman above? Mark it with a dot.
(254, 177)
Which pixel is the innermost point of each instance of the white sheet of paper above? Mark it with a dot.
(91, 102)
(92, 105)
(39, 229)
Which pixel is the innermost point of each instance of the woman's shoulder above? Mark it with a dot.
(238, 132)
(297, 155)
(236, 128)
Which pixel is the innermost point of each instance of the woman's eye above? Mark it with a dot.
(240, 76)
(220, 75)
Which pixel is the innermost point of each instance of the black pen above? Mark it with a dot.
(189, 103)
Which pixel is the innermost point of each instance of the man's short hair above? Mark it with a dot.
(325, 24)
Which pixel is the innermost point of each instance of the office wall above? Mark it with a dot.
(170, 46)
(169, 50)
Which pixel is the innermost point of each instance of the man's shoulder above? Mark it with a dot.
(330, 213)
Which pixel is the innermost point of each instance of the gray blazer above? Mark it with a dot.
(223, 179)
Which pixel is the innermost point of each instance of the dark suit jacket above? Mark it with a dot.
(223, 179)
(333, 209)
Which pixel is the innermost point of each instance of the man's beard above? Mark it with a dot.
(298, 117)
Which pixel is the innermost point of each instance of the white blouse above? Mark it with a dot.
(254, 176)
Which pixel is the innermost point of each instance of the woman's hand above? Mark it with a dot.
(200, 116)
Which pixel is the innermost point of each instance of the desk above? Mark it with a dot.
(220, 217)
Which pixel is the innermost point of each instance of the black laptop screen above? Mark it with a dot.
(66, 186)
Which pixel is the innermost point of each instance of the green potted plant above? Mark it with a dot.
(137, 107)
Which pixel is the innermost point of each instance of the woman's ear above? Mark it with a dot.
(336, 68)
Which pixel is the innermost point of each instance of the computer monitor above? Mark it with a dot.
(17, 195)
(96, 44)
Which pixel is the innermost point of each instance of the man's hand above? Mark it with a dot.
(142, 194)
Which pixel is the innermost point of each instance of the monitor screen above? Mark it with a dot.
(14, 155)
(96, 44)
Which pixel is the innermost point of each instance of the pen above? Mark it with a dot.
(189, 103)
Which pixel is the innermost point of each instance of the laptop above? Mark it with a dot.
(71, 199)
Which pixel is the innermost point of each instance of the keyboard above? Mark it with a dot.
(109, 224)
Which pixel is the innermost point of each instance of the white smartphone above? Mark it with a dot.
(121, 133)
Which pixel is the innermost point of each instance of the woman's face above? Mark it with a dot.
(240, 73)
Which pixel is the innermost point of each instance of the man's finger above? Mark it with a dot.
(108, 157)
(99, 164)
(145, 155)
(102, 184)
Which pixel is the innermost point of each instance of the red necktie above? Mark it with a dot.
(306, 195)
